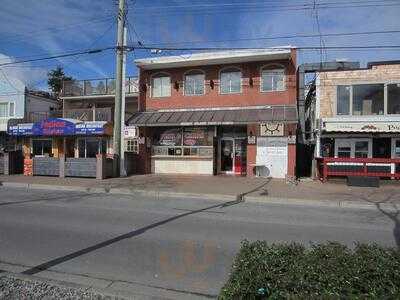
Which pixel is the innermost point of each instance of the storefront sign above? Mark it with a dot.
(59, 127)
(130, 132)
(52, 127)
(195, 136)
(361, 126)
(169, 137)
(90, 128)
(272, 129)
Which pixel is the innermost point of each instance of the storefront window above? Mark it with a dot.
(343, 99)
(344, 152)
(361, 149)
(187, 141)
(394, 98)
(42, 147)
(397, 149)
(90, 147)
(368, 99)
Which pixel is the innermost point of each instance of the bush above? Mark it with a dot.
(326, 271)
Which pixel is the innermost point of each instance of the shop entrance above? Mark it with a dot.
(233, 155)
(381, 147)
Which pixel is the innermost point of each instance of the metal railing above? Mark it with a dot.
(340, 166)
(89, 114)
(97, 87)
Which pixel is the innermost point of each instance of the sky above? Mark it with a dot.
(31, 29)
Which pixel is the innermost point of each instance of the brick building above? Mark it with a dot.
(228, 112)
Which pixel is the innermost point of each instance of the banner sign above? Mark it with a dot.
(58, 127)
(349, 126)
(53, 127)
(130, 132)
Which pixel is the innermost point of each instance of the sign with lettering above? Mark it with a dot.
(349, 126)
(272, 129)
(130, 132)
(52, 127)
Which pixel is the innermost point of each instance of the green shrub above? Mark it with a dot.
(326, 271)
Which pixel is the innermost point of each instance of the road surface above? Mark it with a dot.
(177, 248)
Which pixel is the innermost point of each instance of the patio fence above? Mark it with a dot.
(343, 167)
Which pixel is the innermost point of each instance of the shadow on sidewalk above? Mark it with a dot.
(241, 196)
(49, 264)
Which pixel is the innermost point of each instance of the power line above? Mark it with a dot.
(57, 56)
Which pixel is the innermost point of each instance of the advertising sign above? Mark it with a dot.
(52, 127)
(169, 137)
(195, 136)
(349, 126)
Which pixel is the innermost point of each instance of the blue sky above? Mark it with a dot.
(31, 28)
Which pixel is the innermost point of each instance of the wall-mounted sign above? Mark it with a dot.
(130, 132)
(272, 129)
(251, 140)
(349, 126)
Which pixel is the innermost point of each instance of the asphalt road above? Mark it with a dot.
(178, 248)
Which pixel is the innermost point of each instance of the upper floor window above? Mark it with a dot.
(194, 83)
(393, 98)
(161, 86)
(230, 81)
(273, 80)
(7, 109)
(361, 99)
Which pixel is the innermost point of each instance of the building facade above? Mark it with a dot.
(78, 132)
(357, 120)
(230, 112)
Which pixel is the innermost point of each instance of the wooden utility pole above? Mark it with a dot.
(119, 88)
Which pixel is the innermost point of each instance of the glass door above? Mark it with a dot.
(240, 155)
(227, 155)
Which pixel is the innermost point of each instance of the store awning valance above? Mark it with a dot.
(285, 114)
(60, 127)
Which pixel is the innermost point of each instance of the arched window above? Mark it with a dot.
(194, 83)
(230, 81)
(273, 78)
(161, 85)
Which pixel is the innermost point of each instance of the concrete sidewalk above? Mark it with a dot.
(332, 193)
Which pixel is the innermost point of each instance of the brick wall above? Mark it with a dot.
(329, 80)
(250, 95)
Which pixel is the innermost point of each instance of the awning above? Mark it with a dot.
(285, 114)
(60, 127)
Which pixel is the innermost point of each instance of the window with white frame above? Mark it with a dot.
(368, 99)
(194, 83)
(393, 100)
(11, 109)
(273, 80)
(353, 148)
(161, 86)
(230, 81)
(132, 145)
(3, 110)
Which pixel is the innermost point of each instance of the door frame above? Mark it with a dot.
(233, 139)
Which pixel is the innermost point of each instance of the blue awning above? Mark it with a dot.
(60, 127)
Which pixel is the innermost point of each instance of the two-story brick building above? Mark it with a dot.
(228, 112)
(356, 123)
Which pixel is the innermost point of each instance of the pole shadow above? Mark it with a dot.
(49, 264)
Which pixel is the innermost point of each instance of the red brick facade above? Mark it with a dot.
(251, 95)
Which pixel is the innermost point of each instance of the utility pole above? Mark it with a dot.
(119, 87)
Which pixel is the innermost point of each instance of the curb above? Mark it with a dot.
(216, 197)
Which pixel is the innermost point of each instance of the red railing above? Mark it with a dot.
(377, 167)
